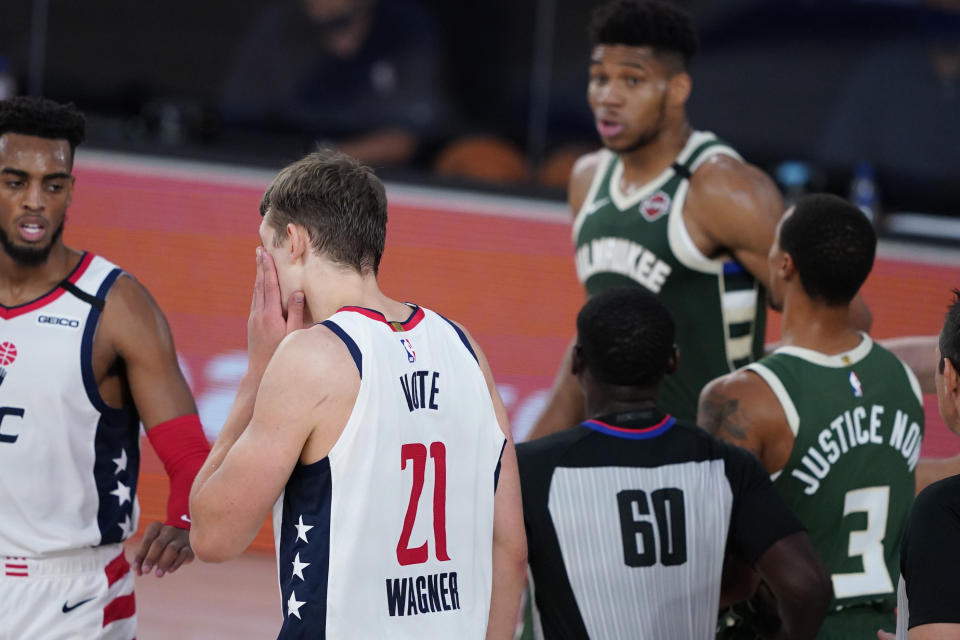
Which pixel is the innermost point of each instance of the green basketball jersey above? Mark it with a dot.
(857, 419)
(640, 240)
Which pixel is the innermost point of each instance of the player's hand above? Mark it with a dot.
(267, 325)
(885, 635)
(164, 548)
(763, 608)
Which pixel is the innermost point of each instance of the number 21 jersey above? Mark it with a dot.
(390, 535)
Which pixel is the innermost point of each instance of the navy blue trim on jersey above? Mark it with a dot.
(349, 342)
(631, 434)
(117, 441)
(86, 351)
(463, 338)
(496, 472)
(733, 268)
(305, 544)
(116, 468)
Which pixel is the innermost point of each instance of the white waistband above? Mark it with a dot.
(66, 563)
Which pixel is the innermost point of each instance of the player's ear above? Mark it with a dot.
(679, 89)
(673, 362)
(576, 360)
(299, 241)
(787, 267)
(951, 378)
(70, 183)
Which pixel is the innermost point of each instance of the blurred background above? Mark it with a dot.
(473, 112)
(823, 94)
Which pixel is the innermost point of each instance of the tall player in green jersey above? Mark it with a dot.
(834, 417)
(666, 207)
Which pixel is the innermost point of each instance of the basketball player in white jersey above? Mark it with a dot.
(377, 436)
(85, 356)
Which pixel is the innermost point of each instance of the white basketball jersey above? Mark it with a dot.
(68, 462)
(390, 535)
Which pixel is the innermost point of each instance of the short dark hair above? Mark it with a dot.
(950, 334)
(338, 200)
(626, 336)
(832, 244)
(663, 26)
(43, 118)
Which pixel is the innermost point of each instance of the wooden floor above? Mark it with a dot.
(237, 600)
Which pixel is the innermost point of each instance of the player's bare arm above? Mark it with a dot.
(299, 396)
(134, 359)
(581, 177)
(920, 354)
(800, 586)
(266, 328)
(741, 409)
(938, 631)
(509, 537)
(134, 331)
(733, 207)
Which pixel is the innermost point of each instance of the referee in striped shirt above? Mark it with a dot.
(631, 514)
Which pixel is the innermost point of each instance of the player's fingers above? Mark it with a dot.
(885, 635)
(171, 552)
(156, 549)
(151, 533)
(257, 301)
(185, 557)
(271, 284)
(295, 312)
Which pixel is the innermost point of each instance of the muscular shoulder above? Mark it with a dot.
(128, 295)
(131, 317)
(315, 353)
(581, 177)
(728, 183)
(312, 380)
(728, 197)
(723, 396)
(734, 405)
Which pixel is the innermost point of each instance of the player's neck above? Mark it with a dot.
(817, 326)
(20, 283)
(644, 164)
(332, 287)
(606, 399)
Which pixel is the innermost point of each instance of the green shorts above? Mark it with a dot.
(857, 622)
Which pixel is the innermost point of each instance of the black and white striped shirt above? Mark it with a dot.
(628, 520)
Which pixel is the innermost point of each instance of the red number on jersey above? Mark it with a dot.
(417, 453)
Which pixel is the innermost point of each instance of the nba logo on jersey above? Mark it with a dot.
(8, 353)
(411, 356)
(655, 206)
(857, 387)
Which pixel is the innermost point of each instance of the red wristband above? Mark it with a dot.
(182, 447)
